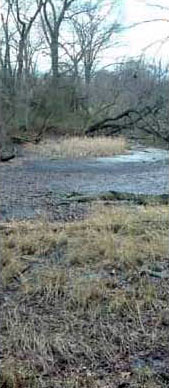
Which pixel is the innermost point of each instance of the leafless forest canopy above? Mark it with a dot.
(77, 95)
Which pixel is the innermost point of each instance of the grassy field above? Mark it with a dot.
(76, 147)
(85, 304)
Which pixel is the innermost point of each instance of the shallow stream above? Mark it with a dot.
(30, 185)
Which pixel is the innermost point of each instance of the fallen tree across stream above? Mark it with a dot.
(144, 119)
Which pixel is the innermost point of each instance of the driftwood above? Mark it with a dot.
(130, 118)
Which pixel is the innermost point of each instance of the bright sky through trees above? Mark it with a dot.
(149, 39)
(153, 36)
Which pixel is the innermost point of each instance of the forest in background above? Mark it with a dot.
(78, 95)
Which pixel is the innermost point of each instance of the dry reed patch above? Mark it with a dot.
(119, 237)
(26, 242)
(79, 147)
(90, 312)
(16, 374)
(50, 282)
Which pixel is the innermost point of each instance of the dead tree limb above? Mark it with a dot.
(130, 117)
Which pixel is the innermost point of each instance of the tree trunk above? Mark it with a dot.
(55, 60)
(87, 84)
(20, 58)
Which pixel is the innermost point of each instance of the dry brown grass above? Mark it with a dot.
(77, 147)
(84, 302)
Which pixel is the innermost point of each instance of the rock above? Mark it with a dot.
(7, 152)
(165, 317)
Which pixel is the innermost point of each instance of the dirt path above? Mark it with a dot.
(31, 185)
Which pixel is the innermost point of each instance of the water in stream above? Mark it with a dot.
(31, 186)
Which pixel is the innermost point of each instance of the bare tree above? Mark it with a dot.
(23, 25)
(52, 20)
(5, 54)
(93, 37)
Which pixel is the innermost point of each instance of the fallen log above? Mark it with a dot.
(129, 118)
(140, 199)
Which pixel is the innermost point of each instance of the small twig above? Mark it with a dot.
(139, 318)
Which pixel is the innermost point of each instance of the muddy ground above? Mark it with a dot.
(31, 185)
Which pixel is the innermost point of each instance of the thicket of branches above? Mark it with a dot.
(74, 96)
